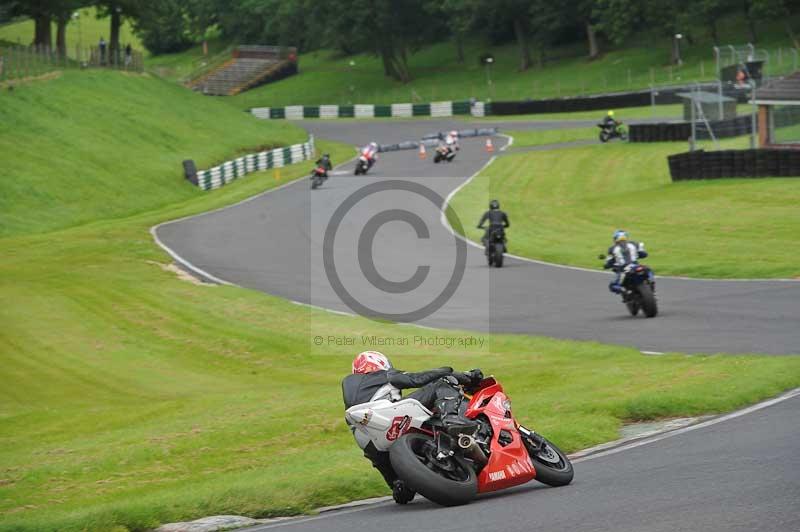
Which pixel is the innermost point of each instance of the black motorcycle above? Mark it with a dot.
(318, 176)
(610, 131)
(495, 247)
(638, 289)
(444, 153)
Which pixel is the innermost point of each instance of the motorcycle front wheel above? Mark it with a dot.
(449, 482)
(552, 465)
(603, 136)
(498, 260)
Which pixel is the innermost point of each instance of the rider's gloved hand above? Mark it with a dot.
(463, 378)
(453, 379)
(476, 375)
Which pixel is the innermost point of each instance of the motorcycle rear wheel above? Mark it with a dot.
(648, 298)
(552, 465)
(450, 482)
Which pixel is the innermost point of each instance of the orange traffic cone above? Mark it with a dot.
(422, 153)
(489, 147)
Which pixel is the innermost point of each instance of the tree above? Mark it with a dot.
(747, 11)
(618, 19)
(117, 11)
(778, 10)
(163, 26)
(585, 11)
(460, 17)
(709, 11)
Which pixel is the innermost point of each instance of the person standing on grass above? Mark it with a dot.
(102, 46)
(128, 55)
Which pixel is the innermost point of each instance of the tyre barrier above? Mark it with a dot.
(682, 131)
(701, 164)
(226, 172)
(432, 139)
(395, 110)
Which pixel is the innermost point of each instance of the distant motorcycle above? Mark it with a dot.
(362, 165)
(608, 132)
(318, 176)
(638, 289)
(444, 153)
(495, 247)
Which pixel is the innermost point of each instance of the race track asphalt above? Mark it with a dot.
(741, 474)
(275, 242)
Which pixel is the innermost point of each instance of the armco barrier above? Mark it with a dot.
(395, 110)
(228, 171)
(681, 131)
(734, 163)
(432, 139)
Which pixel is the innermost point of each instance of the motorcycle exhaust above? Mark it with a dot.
(472, 450)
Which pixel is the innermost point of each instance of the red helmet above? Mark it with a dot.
(370, 361)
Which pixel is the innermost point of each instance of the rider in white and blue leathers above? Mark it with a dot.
(623, 252)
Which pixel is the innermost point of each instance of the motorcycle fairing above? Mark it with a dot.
(383, 421)
(509, 465)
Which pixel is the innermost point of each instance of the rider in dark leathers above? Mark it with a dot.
(437, 390)
(325, 162)
(496, 219)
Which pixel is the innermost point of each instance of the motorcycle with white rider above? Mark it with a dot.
(448, 146)
(367, 158)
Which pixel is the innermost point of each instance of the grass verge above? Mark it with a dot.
(527, 138)
(564, 205)
(99, 144)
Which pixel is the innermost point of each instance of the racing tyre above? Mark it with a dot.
(603, 136)
(552, 465)
(498, 260)
(633, 307)
(437, 158)
(649, 305)
(449, 482)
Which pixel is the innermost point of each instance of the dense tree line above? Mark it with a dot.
(393, 29)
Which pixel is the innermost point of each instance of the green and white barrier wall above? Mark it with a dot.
(228, 171)
(397, 110)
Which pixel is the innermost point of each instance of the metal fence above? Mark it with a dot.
(20, 62)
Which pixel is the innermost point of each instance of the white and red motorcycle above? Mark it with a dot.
(451, 469)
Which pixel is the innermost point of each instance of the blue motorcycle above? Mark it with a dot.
(638, 289)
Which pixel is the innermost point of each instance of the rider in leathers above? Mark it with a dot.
(622, 253)
(374, 378)
(496, 219)
(370, 153)
(325, 163)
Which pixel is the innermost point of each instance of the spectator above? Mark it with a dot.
(102, 46)
(128, 55)
(741, 77)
